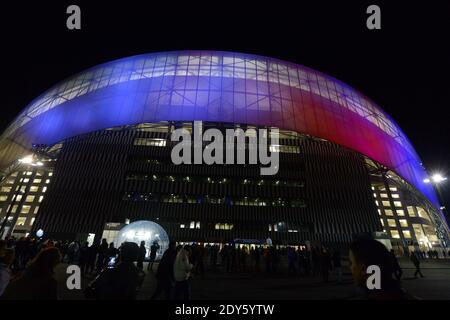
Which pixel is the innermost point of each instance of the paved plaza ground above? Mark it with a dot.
(219, 285)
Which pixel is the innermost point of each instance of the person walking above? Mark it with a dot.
(337, 265)
(102, 255)
(416, 263)
(153, 251)
(182, 272)
(164, 274)
(257, 259)
(92, 255)
(83, 258)
(292, 260)
(141, 257)
(396, 269)
(325, 264)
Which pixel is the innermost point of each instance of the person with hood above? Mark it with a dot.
(182, 273)
(369, 252)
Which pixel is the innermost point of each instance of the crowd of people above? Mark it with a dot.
(27, 265)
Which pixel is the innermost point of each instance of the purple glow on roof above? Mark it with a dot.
(220, 87)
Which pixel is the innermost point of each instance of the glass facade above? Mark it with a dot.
(408, 224)
(220, 87)
(24, 192)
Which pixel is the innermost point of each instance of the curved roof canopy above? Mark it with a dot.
(220, 87)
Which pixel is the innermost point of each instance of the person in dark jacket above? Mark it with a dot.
(369, 252)
(337, 265)
(141, 257)
(164, 274)
(37, 281)
(325, 263)
(102, 255)
(416, 263)
(396, 269)
(92, 255)
(119, 282)
(83, 258)
(153, 251)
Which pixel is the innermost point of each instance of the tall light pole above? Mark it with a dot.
(437, 179)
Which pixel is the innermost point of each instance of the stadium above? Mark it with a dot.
(92, 154)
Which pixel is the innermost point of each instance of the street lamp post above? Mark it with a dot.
(437, 179)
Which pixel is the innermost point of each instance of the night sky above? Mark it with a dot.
(404, 67)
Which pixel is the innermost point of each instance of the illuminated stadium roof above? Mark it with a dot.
(220, 87)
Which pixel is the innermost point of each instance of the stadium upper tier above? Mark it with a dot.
(217, 87)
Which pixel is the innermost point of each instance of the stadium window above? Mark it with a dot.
(6, 189)
(223, 226)
(25, 209)
(411, 211)
(397, 204)
(422, 213)
(406, 234)
(194, 225)
(395, 234)
(403, 222)
(391, 223)
(150, 142)
(21, 221)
